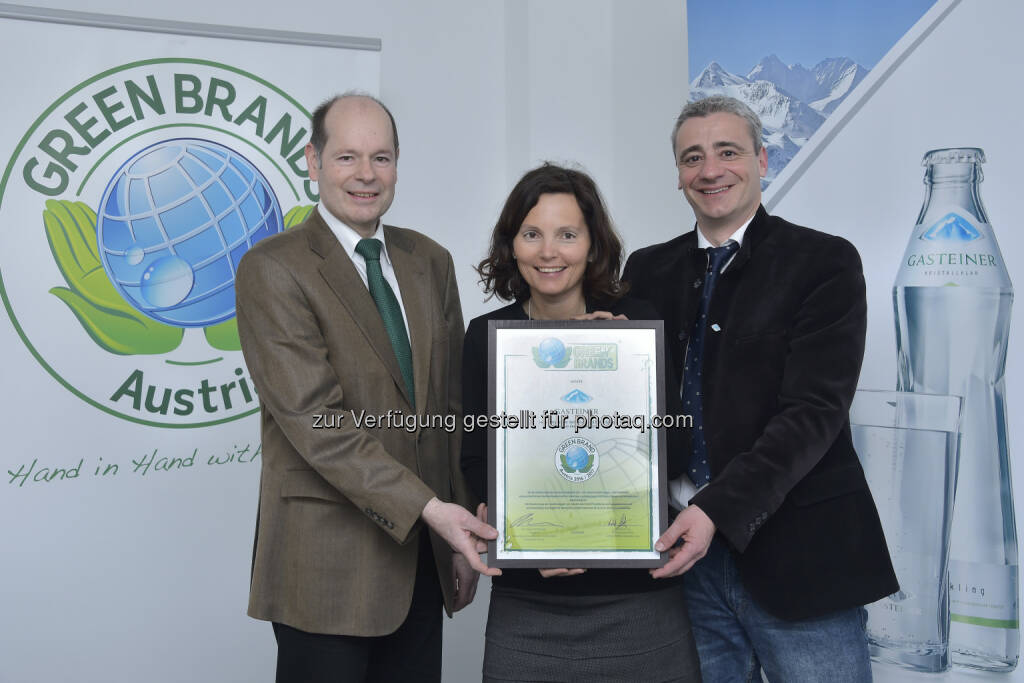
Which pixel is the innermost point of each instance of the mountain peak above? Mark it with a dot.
(714, 75)
(794, 80)
(838, 76)
(829, 61)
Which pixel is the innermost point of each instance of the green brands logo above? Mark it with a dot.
(576, 459)
(596, 357)
(553, 354)
(110, 299)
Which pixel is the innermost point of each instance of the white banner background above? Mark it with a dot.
(139, 575)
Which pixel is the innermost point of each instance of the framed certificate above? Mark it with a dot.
(576, 453)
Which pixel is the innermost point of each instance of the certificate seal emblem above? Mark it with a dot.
(576, 459)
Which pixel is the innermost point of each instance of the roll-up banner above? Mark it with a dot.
(141, 160)
(896, 126)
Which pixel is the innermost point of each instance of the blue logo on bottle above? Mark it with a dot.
(952, 227)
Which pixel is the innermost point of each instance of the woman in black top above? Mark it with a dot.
(555, 255)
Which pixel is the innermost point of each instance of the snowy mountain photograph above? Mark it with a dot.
(760, 60)
(792, 101)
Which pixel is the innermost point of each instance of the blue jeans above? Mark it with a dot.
(736, 638)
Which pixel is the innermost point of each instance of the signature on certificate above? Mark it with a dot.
(618, 523)
(527, 520)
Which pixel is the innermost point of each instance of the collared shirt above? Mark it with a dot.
(349, 238)
(682, 489)
(737, 237)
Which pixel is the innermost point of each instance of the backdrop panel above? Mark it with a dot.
(940, 82)
(139, 166)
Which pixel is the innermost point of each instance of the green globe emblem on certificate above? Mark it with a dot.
(576, 459)
(578, 478)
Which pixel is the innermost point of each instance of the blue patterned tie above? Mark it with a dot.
(699, 470)
(390, 311)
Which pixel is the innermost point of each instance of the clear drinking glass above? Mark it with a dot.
(908, 445)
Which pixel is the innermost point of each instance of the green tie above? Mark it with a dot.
(390, 311)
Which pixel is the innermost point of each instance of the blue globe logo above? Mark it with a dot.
(175, 221)
(577, 457)
(551, 351)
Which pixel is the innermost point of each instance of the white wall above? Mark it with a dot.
(482, 91)
(596, 84)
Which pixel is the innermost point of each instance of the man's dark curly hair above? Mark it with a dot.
(499, 272)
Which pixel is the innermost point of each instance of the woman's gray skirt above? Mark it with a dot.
(540, 637)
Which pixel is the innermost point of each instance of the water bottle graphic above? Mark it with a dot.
(952, 299)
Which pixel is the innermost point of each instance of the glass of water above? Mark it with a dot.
(908, 445)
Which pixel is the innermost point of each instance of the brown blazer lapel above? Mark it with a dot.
(417, 292)
(341, 276)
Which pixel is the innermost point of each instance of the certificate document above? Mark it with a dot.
(576, 452)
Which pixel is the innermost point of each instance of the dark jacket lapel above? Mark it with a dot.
(689, 267)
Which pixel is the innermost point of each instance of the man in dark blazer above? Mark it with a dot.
(353, 556)
(783, 545)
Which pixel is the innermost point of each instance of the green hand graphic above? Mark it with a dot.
(104, 314)
(224, 336)
(297, 215)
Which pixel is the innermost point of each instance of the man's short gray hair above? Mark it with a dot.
(716, 104)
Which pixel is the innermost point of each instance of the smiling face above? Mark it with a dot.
(551, 249)
(719, 171)
(357, 169)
